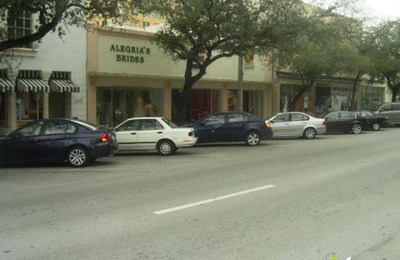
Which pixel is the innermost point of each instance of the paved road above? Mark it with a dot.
(286, 199)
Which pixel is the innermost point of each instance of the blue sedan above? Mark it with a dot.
(232, 127)
(57, 140)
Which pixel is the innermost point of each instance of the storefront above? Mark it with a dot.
(126, 71)
(29, 97)
(330, 94)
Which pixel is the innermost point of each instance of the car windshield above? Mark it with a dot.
(89, 125)
(170, 123)
(376, 107)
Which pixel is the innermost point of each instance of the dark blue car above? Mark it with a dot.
(57, 140)
(232, 127)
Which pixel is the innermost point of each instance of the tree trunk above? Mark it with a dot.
(353, 104)
(182, 98)
(305, 87)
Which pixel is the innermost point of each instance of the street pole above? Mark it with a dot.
(239, 106)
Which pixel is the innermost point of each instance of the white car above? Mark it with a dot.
(297, 124)
(153, 133)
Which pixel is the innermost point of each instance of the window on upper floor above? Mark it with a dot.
(20, 26)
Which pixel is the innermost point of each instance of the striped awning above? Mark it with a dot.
(5, 84)
(31, 81)
(60, 81)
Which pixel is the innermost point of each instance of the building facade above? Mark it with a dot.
(126, 70)
(48, 81)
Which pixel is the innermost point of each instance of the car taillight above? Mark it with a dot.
(105, 137)
(324, 123)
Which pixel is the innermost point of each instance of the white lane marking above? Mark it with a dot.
(212, 200)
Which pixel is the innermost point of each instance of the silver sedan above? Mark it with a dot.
(297, 124)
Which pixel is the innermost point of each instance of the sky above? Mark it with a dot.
(383, 9)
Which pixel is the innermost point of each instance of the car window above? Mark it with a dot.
(131, 125)
(386, 107)
(395, 106)
(169, 123)
(282, 118)
(59, 127)
(299, 117)
(151, 124)
(332, 115)
(232, 118)
(347, 115)
(30, 130)
(214, 120)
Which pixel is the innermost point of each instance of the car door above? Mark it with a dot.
(150, 132)
(281, 125)
(209, 129)
(395, 113)
(234, 127)
(333, 123)
(126, 134)
(22, 145)
(298, 122)
(55, 139)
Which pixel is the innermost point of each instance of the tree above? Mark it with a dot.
(54, 15)
(329, 48)
(216, 29)
(386, 56)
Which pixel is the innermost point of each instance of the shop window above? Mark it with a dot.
(29, 106)
(116, 104)
(19, 26)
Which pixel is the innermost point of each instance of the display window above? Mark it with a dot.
(116, 104)
(29, 105)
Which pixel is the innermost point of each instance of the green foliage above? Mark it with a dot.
(386, 55)
(55, 15)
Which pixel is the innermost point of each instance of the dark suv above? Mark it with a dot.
(389, 110)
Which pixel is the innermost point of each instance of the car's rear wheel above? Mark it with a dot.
(253, 138)
(356, 129)
(376, 126)
(310, 133)
(78, 157)
(166, 147)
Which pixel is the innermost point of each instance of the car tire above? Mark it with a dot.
(166, 147)
(78, 157)
(253, 138)
(376, 127)
(310, 133)
(356, 129)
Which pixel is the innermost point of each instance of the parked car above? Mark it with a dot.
(57, 140)
(297, 124)
(232, 127)
(372, 120)
(153, 133)
(344, 121)
(389, 110)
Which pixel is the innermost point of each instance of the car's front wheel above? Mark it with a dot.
(376, 126)
(166, 147)
(253, 139)
(356, 129)
(78, 157)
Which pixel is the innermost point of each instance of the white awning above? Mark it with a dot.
(63, 85)
(30, 80)
(34, 85)
(60, 81)
(5, 84)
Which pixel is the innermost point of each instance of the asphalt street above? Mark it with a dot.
(286, 199)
